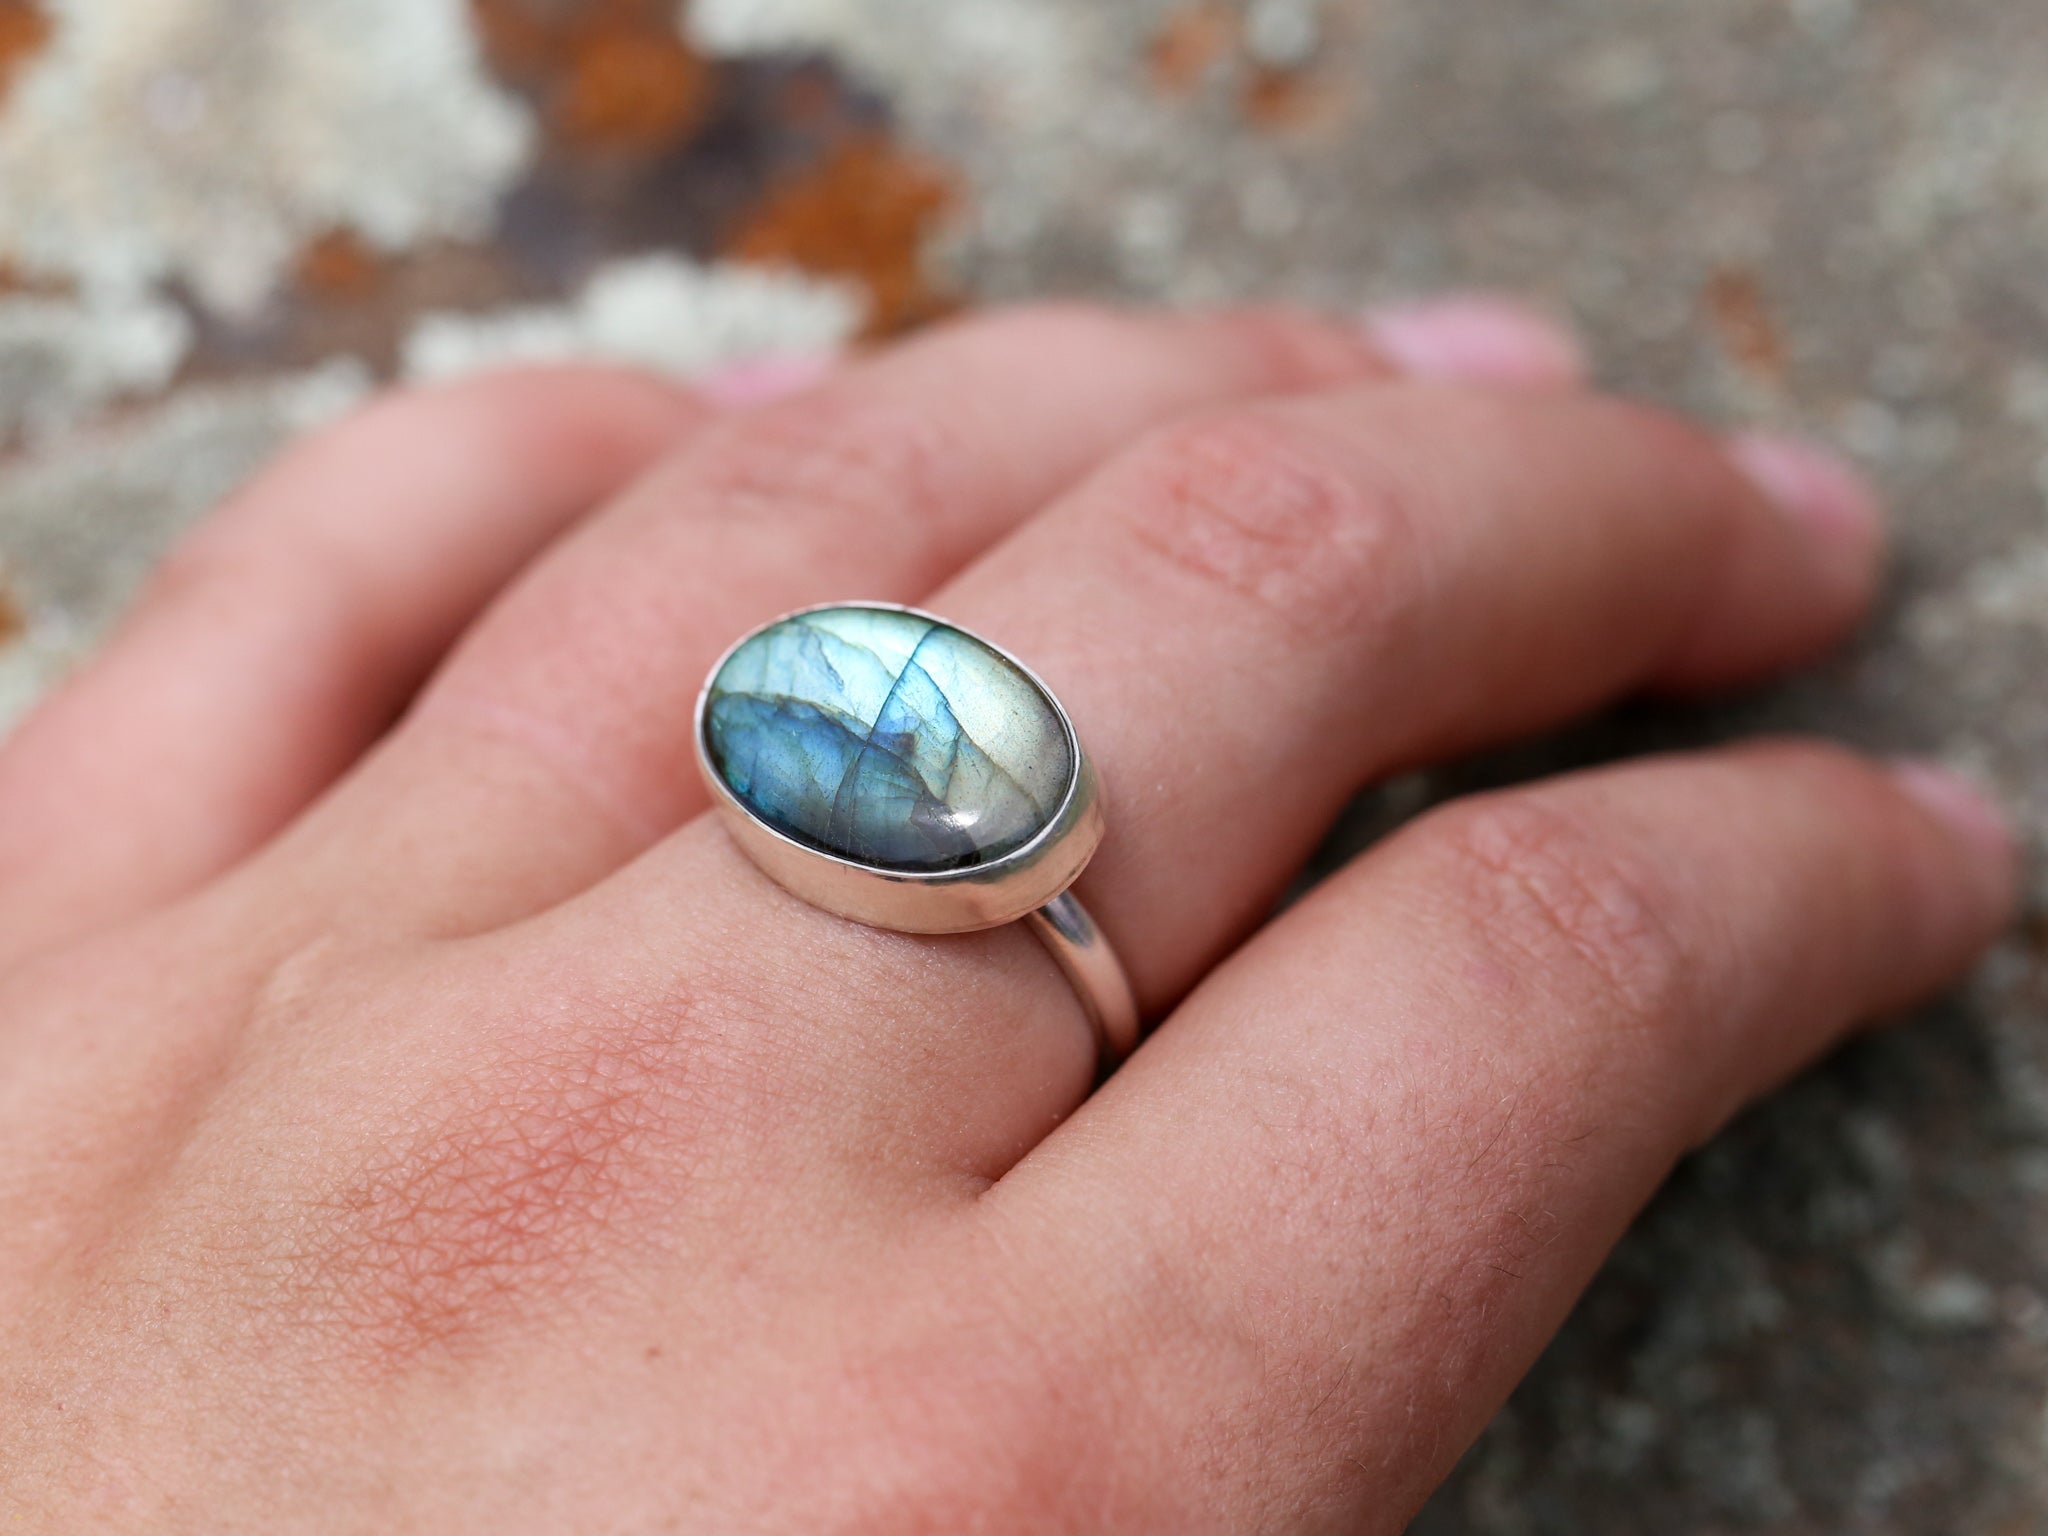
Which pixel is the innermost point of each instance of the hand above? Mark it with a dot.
(443, 1128)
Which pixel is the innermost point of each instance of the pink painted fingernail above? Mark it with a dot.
(1822, 494)
(1962, 806)
(764, 380)
(1478, 339)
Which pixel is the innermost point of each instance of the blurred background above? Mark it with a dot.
(222, 222)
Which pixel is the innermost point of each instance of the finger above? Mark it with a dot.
(1251, 615)
(1336, 1207)
(557, 745)
(1321, 592)
(285, 634)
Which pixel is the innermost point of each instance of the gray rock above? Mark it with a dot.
(1819, 214)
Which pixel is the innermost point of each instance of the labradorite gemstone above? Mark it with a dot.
(888, 739)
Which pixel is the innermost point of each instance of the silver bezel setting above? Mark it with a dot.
(946, 901)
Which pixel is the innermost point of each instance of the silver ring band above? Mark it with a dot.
(891, 767)
(1066, 929)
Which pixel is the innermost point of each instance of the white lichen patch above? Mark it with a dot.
(1014, 56)
(208, 140)
(1045, 113)
(61, 360)
(660, 312)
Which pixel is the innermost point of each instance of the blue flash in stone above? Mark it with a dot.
(888, 739)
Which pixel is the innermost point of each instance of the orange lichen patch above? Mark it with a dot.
(632, 88)
(518, 38)
(612, 74)
(338, 266)
(1292, 101)
(864, 213)
(1194, 42)
(23, 31)
(1742, 318)
(349, 299)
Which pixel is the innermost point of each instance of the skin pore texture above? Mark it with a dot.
(440, 1126)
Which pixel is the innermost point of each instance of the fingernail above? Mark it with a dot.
(1477, 339)
(764, 380)
(1820, 492)
(1961, 805)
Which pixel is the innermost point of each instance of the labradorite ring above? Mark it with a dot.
(888, 766)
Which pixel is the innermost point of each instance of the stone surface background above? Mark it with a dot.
(221, 223)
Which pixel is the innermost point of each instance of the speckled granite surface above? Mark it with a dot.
(1830, 214)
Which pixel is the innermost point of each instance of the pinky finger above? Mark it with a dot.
(279, 641)
(1353, 1185)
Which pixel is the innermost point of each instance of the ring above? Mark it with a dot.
(888, 766)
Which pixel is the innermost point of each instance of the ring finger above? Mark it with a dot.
(1247, 617)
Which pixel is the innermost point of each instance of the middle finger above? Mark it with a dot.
(1247, 617)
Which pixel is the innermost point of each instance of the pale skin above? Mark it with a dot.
(415, 1115)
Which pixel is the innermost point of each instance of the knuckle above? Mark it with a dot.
(1263, 347)
(595, 425)
(1251, 507)
(243, 566)
(1292, 349)
(1588, 915)
(209, 561)
(1064, 325)
(611, 418)
(249, 568)
(839, 470)
(524, 1177)
(533, 415)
